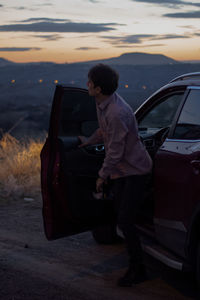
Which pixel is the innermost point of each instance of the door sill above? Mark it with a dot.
(151, 247)
(165, 257)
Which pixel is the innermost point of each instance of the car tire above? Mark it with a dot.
(106, 235)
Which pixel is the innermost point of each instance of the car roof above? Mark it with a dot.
(188, 82)
(187, 76)
(189, 79)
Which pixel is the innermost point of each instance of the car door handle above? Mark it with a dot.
(195, 163)
(99, 148)
(196, 166)
(95, 149)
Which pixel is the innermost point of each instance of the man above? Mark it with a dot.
(126, 162)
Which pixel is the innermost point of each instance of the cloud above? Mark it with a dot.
(129, 39)
(86, 48)
(184, 15)
(140, 38)
(50, 37)
(45, 4)
(56, 25)
(16, 49)
(187, 26)
(20, 7)
(43, 19)
(31, 8)
(169, 3)
(140, 46)
(170, 36)
(93, 1)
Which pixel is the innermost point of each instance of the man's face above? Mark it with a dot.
(92, 90)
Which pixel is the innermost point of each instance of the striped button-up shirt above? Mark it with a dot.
(125, 154)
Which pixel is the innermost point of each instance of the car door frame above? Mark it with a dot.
(155, 99)
(55, 212)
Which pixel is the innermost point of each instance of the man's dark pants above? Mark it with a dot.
(128, 197)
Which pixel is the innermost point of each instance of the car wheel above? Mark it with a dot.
(106, 235)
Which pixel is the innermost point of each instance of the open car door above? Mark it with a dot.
(68, 172)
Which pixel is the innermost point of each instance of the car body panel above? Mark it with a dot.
(177, 176)
(175, 190)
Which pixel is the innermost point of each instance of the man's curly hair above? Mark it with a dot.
(105, 77)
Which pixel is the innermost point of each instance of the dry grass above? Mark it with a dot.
(19, 167)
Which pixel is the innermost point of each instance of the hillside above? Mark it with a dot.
(134, 58)
(5, 62)
(137, 58)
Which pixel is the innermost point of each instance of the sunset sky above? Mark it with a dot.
(79, 30)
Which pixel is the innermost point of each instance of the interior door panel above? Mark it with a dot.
(78, 161)
(69, 172)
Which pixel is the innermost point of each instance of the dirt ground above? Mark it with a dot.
(72, 268)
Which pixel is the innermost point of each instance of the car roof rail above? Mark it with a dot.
(186, 76)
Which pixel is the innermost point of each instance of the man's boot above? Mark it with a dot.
(132, 276)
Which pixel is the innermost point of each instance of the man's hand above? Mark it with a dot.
(99, 184)
(83, 140)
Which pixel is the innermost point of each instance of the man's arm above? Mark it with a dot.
(95, 138)
(116, 134)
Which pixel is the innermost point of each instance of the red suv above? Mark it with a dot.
(169, 219)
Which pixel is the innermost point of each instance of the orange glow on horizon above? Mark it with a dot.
(81, 56)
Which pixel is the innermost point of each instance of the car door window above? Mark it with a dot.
(188, 125)
(78, 114)
(162, 114)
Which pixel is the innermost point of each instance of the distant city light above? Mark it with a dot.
(13, 81)
(144, 87)
(40, 80)
(126, 86)
(56, 81)
(72, 82)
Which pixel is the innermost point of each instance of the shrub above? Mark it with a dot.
(20, 167)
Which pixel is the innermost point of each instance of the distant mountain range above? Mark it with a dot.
(137, 58)
(134, 58)
(5, 62)
(191, 61)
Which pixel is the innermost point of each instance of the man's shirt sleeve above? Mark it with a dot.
(96, 137)
(116, 137)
